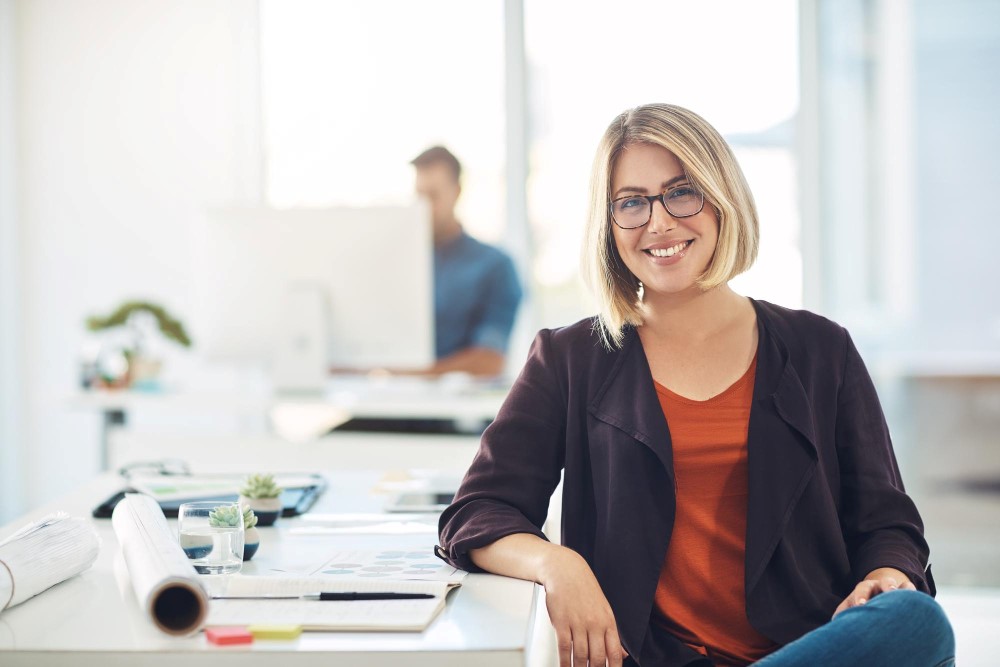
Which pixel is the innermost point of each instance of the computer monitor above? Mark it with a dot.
(273, 282)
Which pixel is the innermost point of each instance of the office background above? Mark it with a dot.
(866, 127)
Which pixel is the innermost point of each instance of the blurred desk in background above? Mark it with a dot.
(945, 421)
(466, 405)
(252, 453)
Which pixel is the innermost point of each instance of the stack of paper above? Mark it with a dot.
(42, 554)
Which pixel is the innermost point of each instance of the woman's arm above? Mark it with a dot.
(584, 623)
(495, 522)
(507, 488)
(880, 522)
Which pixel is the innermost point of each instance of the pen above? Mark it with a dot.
(331, 596)
(367, 596)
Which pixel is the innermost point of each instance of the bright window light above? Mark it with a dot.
(730, 61)
(353, 91)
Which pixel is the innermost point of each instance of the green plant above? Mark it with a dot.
(260, 486)
(225, 516)
(249, 518)
(170, 327)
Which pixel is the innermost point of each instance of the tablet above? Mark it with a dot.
(294, 501)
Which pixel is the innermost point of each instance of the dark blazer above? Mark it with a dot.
(826, 504)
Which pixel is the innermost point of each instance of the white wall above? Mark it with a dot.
(133, 118)
(10, 296)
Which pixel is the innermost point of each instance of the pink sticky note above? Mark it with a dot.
(223, 636)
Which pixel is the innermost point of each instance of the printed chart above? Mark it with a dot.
(389, 564)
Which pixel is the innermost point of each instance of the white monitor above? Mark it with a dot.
(272, 280)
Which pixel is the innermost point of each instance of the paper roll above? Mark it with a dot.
(6, 586)
(165, 583)
(44, 553)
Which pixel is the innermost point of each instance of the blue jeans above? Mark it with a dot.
(894, 628)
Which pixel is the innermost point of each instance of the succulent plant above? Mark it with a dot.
(260, 486)
(249, 518)
(225, 515)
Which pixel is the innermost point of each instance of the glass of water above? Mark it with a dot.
(211, 535)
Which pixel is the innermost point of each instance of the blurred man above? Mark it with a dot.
(476, 289)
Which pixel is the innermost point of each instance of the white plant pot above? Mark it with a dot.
(250, 543)
(267, 509)
(196, 546)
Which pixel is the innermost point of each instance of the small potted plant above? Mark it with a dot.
(251, 539)
(125, 359)
(261, 494)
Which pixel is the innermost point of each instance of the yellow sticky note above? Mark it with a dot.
(275, 631)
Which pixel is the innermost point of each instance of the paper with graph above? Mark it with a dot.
(398, 564)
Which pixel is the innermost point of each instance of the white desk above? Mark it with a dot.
(401, 398)
(450, 454)
(94, 619)
(469, 402)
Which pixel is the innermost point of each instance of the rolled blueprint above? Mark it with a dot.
(165, 583)
(44, 553)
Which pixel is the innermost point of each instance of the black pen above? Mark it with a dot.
(330, 596)
(367, 596)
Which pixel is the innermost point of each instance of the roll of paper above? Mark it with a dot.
(165, 583)
(44, 553)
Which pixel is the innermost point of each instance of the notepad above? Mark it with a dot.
(315, 615)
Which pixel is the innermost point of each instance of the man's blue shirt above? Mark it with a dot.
(476, 294)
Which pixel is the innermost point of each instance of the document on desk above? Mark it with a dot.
(44, 553)
(418, 564)
(325, 615)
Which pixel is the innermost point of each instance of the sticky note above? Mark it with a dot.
(275, 631)
(222, 636)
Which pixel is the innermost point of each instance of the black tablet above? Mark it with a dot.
(295, 500)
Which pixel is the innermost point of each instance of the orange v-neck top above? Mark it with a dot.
(700, 596)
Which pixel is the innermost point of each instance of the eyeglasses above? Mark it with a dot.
(162, 467)
(635, 211)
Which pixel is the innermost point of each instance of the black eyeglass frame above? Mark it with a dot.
(651, 198)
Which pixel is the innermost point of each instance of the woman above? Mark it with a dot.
(729, 482)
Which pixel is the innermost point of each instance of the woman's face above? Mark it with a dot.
(668, 254)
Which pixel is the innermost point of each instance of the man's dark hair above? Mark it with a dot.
(439, 155)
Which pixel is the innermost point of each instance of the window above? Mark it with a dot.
(709, 57)
(350, 97)
(353, 91)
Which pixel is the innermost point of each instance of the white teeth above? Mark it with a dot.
(668, 252)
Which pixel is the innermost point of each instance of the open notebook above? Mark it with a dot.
(358, 615)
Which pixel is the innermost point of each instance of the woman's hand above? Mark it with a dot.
(584, 623)
(878, 581)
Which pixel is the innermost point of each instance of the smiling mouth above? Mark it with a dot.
(668, 252)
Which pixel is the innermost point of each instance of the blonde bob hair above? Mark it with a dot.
(711, 167)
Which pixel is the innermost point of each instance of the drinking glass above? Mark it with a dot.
(211, 535)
